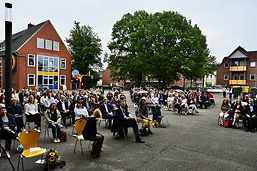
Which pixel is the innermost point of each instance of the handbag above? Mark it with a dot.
(226, 124)
(63, 136)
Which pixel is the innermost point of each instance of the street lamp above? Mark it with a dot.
(8, 53)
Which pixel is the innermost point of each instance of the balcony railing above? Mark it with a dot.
(237, 68)
(237, 82)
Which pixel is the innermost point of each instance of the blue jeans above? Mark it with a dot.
(55, 130)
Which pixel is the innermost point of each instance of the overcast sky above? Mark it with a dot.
(226, 23)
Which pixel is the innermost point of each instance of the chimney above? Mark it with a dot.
(30, 25)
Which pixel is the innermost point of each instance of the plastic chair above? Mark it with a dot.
(29, 139)
(79, 127)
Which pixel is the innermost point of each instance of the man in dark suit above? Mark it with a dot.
(106, 110)
(125, 120)
(63, 107)
(177, 103)
(250, 116)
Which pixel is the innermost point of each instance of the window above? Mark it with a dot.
(49, 44)
(31, 60)
(31, 79)
(63, 80)
(235, 77)
(226, 65)
(252, 77)
(252, 64)
(241, 77)
(226, 77)
(40, 43)
(63, 63)
(47, 69)
(210, 76)
(56, 46)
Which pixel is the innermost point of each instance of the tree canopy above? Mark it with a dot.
(85, 48)
(161, 46)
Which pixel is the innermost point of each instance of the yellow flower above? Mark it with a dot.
(52, 154)
(51, 159)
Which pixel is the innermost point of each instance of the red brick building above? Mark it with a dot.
(40, 58)
(238, 69)
(106, 79)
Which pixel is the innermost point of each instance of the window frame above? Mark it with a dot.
(51, 42)
(34, 80)
(227, 77)
(61, 77)
(43, 40)
(61, 63)
(254, 64)
(30, 55)
(56, 42)
(227, 64)
(251, 77)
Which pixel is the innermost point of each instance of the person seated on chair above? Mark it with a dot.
(106, 110)
(250, 114)
(204, 100)
(31, 112)
(184, 104)
(177, 103)
(80, 111)
(192, 108)
(142, 115)
(170, 101)
(62, 106)
(7, 129)
(90, 133)
(53, 118)
(237, 112)
(16, 111)
(225, 109)
(125, 120)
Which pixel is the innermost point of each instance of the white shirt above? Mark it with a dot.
(155, 100)
(63, 106)
(48, 101)
(80, 111)
(30, 109)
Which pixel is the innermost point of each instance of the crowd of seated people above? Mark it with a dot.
(174, 100)
(54, 107)
(244, 108)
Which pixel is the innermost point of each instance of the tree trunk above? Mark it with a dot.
(203, 82)
(139, 79)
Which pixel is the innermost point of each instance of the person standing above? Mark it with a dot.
(224, 92)
(231, 91)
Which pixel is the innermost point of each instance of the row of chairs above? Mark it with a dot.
(29, 139)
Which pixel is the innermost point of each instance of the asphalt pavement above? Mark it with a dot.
(194, 143)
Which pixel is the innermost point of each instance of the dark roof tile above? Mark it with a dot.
(18, 39)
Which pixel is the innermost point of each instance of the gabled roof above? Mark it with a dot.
(18, 39)
(239, 48)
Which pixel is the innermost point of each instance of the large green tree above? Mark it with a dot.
(85, 48)
(162, 46)
(129, 47)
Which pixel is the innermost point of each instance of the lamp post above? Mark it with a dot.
(8, 53)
